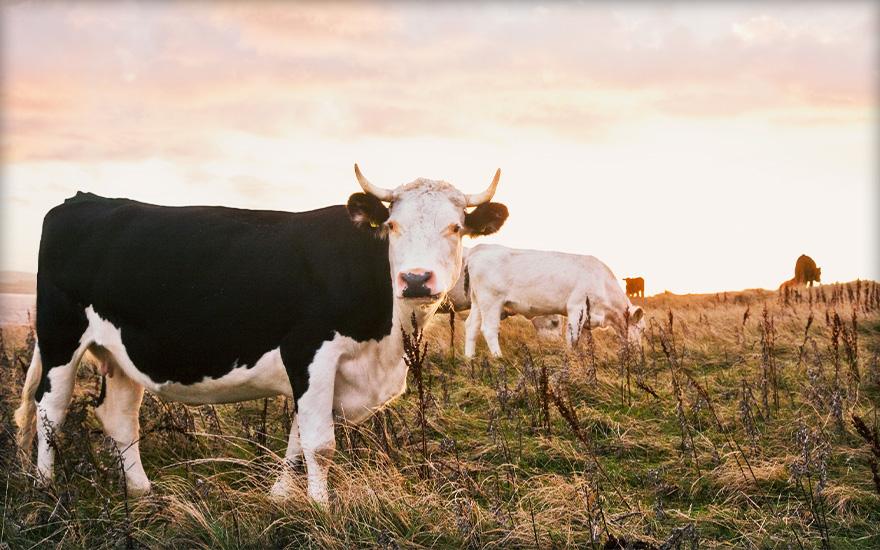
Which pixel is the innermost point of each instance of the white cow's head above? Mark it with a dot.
(424, 224)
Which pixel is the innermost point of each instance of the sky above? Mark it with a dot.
(701, 145)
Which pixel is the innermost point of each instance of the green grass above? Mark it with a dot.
(495, 476)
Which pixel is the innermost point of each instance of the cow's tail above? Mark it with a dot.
(26, 414)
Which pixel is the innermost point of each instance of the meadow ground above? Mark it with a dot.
(744, 421)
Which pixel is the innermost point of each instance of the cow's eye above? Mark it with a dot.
(392, 226)
(455, 229)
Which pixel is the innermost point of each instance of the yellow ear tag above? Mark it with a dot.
(374, 225)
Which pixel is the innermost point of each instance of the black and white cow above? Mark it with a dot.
(206, 304)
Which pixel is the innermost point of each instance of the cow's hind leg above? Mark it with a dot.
(118, 413)
(57, 386)
(26, 414)
(61, 341)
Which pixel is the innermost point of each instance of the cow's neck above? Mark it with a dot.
(367, 381)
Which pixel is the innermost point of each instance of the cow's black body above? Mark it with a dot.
(197, 290)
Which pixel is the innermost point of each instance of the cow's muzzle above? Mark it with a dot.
(417, 284)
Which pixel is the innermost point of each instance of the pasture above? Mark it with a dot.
(745, 420)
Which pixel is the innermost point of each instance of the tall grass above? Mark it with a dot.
(545, 448)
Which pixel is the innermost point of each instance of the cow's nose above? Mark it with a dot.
(417, 278)
(417, 283)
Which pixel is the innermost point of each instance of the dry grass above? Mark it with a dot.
(529, 451)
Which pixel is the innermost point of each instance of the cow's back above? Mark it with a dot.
(195, 290)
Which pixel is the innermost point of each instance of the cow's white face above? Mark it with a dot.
(424, 227)
(424, 234)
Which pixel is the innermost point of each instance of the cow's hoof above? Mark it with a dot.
(136, 491)
(282, 488)
(321, 500)
(319, 495)
(42, 479)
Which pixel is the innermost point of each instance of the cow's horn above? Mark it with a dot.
(380, 193)
(479, 198)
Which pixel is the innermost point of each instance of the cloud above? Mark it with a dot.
(276, 28)
(94, 81)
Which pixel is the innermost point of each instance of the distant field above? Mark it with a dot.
(17, 282)
(17, 309)
(731, 428)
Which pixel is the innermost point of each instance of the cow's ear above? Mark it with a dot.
(635, 315)
(485, 219)
(367, 212)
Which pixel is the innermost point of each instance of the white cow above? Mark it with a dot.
(537, 282)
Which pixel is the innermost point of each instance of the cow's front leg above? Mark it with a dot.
(491, 326)
(292, 457)
(314, 413)
(316, 432)
(577, 320)
(472, 331)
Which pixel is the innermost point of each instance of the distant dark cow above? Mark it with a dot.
(635, 287)
(204, 304)
(805, 273)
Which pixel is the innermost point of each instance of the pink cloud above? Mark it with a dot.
(96, 81)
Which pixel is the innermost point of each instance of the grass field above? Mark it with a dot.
(733, 426)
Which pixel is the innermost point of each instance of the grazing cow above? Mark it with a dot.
(536, 282)
(805, 273)
(547, 326)
(635, 287)
(206, 304)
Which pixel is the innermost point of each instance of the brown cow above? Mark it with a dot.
(805, 273)
(635, 287)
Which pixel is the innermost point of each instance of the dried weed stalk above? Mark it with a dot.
(415, 351)
(872, 439)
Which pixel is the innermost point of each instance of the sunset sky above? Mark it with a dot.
(702, 145)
